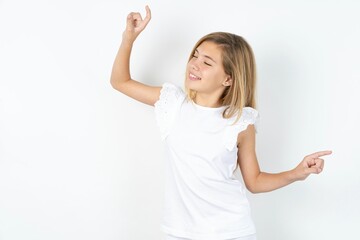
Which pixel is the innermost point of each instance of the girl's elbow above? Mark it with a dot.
(252, 189)
(116, 85)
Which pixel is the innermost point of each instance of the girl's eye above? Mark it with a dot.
(206, 63)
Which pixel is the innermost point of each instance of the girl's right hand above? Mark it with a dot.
(311, 164)
(135, 24)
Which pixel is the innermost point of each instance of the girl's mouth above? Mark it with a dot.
(193, 77)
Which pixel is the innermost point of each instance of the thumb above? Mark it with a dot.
(129, 20)
(312, 170)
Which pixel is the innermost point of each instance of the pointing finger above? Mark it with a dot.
(148, 13)
(319, 154)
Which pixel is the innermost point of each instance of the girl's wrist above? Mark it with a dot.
(293, 176)
(129, 40)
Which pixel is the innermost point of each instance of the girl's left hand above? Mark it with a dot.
(135, 24)
(311, 164)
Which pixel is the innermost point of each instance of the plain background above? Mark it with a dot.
(79, 160)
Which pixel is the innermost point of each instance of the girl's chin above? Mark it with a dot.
(193, 85)
(191, 81)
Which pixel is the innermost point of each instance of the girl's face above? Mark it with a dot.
(205, 72)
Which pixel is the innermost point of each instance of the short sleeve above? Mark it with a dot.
(167, 107)
(248, 116)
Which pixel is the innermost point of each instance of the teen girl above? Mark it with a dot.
(208, 131)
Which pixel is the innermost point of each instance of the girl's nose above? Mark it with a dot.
(194, 65)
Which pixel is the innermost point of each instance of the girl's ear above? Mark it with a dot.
(227, 82)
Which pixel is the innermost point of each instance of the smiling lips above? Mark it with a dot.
(193, 77)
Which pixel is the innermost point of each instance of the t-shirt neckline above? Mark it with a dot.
(208, 108)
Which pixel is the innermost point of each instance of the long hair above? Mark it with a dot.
(239, 63)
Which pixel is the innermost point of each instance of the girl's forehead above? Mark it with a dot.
(209, 49)
(208, 45)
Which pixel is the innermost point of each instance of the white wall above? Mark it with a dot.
(81, 161)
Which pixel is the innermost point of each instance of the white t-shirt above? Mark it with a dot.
(203, 199)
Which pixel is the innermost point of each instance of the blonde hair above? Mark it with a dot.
(239, 63)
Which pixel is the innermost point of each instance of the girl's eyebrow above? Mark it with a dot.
(206, 56)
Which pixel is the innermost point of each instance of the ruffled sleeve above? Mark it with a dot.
(248, 116)
(167, 107)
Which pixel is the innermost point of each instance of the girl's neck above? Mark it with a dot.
(207, 101)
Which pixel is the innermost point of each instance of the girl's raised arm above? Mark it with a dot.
(120, 76)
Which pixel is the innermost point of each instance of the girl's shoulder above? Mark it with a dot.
(168, 105)
(171, 90)
(249, 116)
(170, 96)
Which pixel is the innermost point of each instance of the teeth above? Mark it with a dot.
(193, 76)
